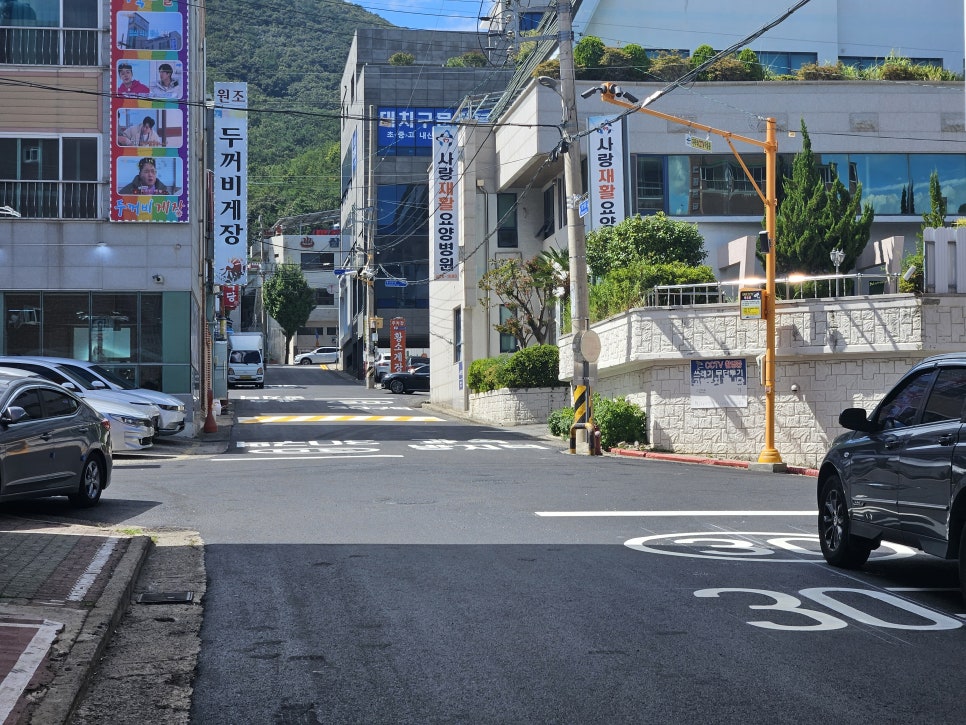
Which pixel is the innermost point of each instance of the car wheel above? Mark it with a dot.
(962, 561)
(397, 386)
(91, 484)
(305, 361)
(839, 547)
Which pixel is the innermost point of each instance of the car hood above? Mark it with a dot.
(107, 406)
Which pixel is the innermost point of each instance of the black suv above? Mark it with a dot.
(900, 474)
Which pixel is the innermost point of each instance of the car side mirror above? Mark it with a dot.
(13, 414)
(98, 385)
(857, 419)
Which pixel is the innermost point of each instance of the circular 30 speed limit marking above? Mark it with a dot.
(757, 546)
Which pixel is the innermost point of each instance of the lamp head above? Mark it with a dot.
(551, 83)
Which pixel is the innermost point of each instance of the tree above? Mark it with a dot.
(815, 217)
(654, 239)
(402, 58)
(934, 218)
(526, 289)
(289, 300)
(587, 54)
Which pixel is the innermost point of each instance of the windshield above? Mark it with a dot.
(83, 379)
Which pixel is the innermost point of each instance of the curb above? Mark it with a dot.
(704, 460)
(67, 690)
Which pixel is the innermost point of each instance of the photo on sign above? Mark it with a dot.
(149, 175)
(150, 127)
(149, 31)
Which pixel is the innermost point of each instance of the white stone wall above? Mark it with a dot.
(838, 354)
(519, 406)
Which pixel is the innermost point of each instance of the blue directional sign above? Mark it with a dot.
(396, 283)
(584, 207)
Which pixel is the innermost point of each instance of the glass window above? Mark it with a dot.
(784, 63)
(22, 323)
(57, 404)
(317, 260)
(50, 177)
(457, 334)
(946, 397)
(67, 325)
(506, 224)
(902, 406)
(549, 198)
(29, 400)
(951, 169)
(508, 343)
(883, 177)
(649, 184)
(114, 325)
(324, 298)
(34, 32)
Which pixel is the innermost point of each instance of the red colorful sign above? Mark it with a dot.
(397, 345)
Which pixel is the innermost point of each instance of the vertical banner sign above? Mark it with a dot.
(721, 383)
(149, 111)
(231, 183)
(444, 204)
(397, 345)
(606, 175)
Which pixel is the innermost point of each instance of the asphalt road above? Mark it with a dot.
(409, 570)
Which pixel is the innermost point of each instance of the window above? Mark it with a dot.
(785, 63)
(50, 177)
(649, 184)
(549, 199)
(861, 62)
(946, 398)
(324, 298)
(457, 334)
(902, 406)
(29, 400)
(317, 260)
(49, 32)
(506, 220)
(508, 343)
(57, 403)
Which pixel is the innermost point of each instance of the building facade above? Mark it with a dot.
(102, 214)
(388, 113)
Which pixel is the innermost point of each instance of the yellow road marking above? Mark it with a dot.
(341, 419)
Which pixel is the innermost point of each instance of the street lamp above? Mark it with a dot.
(837, 256)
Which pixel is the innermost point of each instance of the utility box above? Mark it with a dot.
(219, 369)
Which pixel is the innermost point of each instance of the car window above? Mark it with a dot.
(901, 407)
(57, 403)
(29, 400)
(946, 398)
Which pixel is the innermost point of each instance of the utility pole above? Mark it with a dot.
(370, 242)
(576, 241)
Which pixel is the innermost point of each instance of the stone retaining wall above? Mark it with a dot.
(517, 406)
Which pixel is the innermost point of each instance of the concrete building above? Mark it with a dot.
(102, 231)
(888, 136)
(396, 106)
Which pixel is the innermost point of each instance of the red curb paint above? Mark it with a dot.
(703, 460)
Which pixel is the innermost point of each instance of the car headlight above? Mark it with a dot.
(175, 408)
(130, 420)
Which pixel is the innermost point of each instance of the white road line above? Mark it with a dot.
(250, 458)
(93, 569)
(665, 514)
(16, 681)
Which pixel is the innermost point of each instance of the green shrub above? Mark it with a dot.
(668, 67)
(559, 422)
(549, 68)
(402, 59)
(472, 59)
(816, 72)
(627, 287)
(619, 421)
(533, 367)
(587, 52)
(485, 374)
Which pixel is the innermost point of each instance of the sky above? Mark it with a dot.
(428, 14)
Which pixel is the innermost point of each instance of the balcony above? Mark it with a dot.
(51, 199)
(49, 46)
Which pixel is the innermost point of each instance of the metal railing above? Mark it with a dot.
(51, 199)
(49, 46)
(793, 287)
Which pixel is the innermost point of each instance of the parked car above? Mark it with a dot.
(414, 361)
(899, 474)
(381, 366)
(100, 378)
(407, 382)
(133, 426)
(318, 356)
(52, 443)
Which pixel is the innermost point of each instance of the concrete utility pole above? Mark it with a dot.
(576, 241)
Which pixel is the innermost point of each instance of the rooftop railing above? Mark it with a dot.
(49, 46)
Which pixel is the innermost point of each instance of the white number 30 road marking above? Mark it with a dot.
(819, 621)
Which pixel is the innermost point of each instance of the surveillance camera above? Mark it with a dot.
(158, 278)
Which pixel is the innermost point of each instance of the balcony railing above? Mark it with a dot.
(49, 46)
(51, 199)
(793, 287)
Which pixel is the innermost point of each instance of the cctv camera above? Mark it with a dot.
(158, 278)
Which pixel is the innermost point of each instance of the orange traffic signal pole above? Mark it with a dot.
(611, 93)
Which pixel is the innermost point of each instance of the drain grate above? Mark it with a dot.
(165, 598)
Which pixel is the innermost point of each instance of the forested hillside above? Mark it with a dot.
(291, 53)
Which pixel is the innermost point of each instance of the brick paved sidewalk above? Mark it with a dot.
(62, 586)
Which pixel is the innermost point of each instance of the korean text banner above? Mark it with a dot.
(230, 224)
(149, 112)
(606, 173)
(444, 204)
(719, 383)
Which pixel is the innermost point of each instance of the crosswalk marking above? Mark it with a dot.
(341, 419)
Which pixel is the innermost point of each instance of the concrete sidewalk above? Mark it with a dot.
(65, 586)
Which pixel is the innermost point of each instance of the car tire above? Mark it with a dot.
(962, 561)
(397, 386)
(305, 361)
(91, 483)
(839, 547)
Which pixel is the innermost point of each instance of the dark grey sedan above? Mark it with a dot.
(52, 443)
(900, 473)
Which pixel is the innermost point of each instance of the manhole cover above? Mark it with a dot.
(165, 597)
